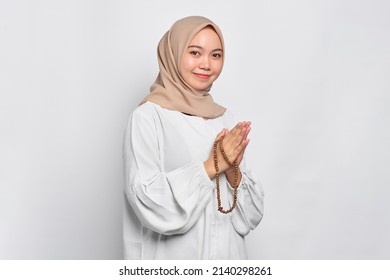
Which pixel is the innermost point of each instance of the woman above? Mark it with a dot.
(188, 192)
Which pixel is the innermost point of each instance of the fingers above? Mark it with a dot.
(222, 133)
(241, 147)
(248, 129)
(235, 141)
(238, 134)
(241, 154)
(234, 144)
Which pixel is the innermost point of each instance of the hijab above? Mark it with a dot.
(169, 90)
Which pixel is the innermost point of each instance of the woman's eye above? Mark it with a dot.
(196, 53)
(217, 55)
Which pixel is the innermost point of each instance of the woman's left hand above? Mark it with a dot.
(230, 171)
(234, 143)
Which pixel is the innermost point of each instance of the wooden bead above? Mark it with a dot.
(235, 182)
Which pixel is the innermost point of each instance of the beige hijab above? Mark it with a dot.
(170, 90)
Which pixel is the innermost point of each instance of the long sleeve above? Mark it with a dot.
(170, 209)
(165, 202)
(250, 203)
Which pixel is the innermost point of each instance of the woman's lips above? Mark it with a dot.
(202, 76)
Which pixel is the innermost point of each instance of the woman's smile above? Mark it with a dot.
(202, 76)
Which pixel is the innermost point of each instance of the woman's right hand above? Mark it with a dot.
(234, 143)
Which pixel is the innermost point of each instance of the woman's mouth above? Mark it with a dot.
(202, 76)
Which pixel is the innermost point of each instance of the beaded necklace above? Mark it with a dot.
(235, 185)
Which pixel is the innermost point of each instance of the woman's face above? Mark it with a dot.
(202, 61)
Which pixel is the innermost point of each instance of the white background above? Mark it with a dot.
(312, 76)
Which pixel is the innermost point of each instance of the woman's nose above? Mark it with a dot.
(205, 64)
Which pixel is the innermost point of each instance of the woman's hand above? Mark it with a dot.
(234, 144)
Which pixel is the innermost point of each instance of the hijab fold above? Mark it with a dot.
(169, 90)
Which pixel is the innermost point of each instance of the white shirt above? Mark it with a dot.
(171, 204)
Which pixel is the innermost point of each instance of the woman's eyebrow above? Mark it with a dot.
(199, 47)
(195, 46)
